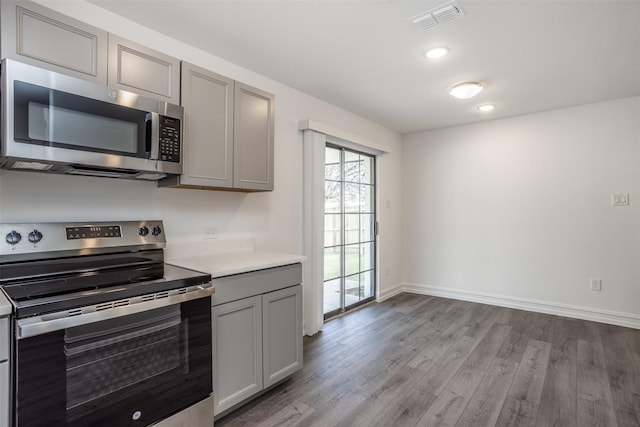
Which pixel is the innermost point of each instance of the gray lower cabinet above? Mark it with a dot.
(281, 334)
(38, 36)
(257, 333)
(136, 68)
(228, 133)
(237, 343)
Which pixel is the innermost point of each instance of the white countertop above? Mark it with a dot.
(226, 264)
(5, 306)
(224, 257)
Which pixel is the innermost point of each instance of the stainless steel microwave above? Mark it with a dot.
(60, 124)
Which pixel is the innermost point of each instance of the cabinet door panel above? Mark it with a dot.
(137, 68)
(207, 99)
(282, 333)
(39, 36)
(253, 138)
(237, 348)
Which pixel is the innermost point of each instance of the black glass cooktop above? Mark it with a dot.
(47, 286)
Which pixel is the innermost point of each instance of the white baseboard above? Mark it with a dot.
(577, 312)
(388, 293)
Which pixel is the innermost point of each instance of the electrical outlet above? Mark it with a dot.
(620, 199)
(210, 233)
(596, 284)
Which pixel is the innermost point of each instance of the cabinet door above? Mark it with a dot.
(237, 351)
(253, 139)
(281, 333)
(207, 99)
(39, 36)
(138, 69)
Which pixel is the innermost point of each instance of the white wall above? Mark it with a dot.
(518, 211)
(273, 219)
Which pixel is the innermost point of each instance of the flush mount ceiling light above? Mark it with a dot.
(437, 52)
(486, 108)
(465, 90)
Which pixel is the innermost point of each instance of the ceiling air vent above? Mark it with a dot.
(432, 17)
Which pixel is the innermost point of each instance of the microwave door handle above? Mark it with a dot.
(152, 136)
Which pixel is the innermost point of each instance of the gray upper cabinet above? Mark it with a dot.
(39, 36)
(136, 68)
(207, 99)
(253, 138)
(228, 134)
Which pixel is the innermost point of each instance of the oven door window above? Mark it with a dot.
(132, 370)
(58, 119)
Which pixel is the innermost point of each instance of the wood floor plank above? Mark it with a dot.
(558, 404)
(487, 400)
(449, 404)
(624, 377)
(523, 399)
(408, 411)
(594, 400)
(290, 415)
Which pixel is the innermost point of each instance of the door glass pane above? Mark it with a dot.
(367, 256)
(351, 228)
(366, 166)
(332, 196)
(351, 197)
(367, 284)
(366, 227)
(332, 295)
(332, 229)
(352, 290)
(351, 167)
(332, 164)
(332, 268)
(367, 198)
(351, 259)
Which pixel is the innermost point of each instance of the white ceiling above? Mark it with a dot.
(365, 57)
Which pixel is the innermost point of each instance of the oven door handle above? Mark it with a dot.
(50, 322)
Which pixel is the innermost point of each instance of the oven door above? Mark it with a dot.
(128, 370)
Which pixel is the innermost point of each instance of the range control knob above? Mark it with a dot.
(143, 231)
(156, 231)
(35, 236)
(13, 238)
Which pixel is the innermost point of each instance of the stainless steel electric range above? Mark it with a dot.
(104, 332)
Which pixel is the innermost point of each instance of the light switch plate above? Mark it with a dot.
(596, 284)
(620, 199)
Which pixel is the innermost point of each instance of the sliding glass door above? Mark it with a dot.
(349, 230)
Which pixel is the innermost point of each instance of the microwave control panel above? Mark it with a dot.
(169, 139)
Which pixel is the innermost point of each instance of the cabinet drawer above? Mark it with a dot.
(4, 338)
(232, 288)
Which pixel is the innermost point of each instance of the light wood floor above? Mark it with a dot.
(415, 360)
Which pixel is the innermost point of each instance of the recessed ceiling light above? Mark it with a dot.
(465, 90)
(486, 108)
(437, 52)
